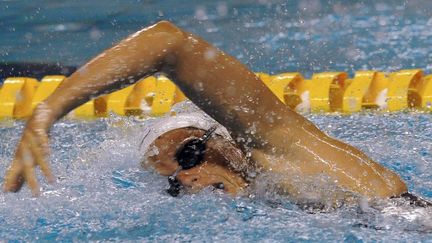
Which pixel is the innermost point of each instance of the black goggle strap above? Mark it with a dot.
(207, 135)
(174, 184)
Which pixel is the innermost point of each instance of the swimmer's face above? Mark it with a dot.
(212, 172)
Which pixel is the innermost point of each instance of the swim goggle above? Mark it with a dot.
(191, 154)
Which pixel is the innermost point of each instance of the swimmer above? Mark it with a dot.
(271, 138)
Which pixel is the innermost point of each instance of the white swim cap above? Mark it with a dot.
(157, 127)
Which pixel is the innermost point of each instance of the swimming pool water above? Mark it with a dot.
(269, 36)
(102, 193)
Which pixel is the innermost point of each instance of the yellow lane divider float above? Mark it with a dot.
(324, 92)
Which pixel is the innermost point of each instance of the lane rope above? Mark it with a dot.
(325, 92)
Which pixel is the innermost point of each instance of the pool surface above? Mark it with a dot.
(102, 194)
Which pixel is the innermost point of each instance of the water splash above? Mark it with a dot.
(101, 192)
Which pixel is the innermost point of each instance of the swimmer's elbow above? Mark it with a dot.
(169, 28)
(162, 33)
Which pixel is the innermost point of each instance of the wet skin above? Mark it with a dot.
(279, 140)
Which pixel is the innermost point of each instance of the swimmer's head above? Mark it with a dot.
(212, 169)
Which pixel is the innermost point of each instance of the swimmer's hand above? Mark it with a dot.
(142, 54)
(32, 151)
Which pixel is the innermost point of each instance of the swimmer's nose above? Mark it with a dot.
(188, 180)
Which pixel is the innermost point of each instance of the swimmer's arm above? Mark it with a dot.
(204, 73)
(141, 54)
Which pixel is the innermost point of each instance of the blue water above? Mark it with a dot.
(102, 193)
(271, 36)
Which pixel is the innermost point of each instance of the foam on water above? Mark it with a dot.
(102, 193)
